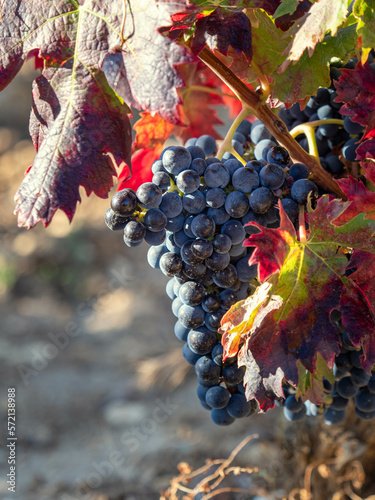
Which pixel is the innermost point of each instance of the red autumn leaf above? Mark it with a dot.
(142, 162)
(361, 200)
(271, 246)
(306, 281)
(152, 131)
(356, 89)
(196, 111)
(78, 122)
(363, 264)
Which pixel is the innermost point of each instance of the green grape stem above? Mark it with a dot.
(254, 100)
(226, 145)
(309, 130)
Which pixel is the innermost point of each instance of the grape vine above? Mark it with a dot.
(267, 236)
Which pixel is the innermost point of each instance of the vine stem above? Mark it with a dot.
(253, 100)
(227, 142)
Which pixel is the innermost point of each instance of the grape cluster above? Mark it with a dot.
(335, 143)
(194, 216)
(352, 382)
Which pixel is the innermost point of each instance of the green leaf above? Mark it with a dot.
(323, 17)
(302, 80)
(268, 44)
(286, 7)
(364, 11)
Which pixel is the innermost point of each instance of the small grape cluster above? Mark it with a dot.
(335, 143)
(352, 382)
(194, 216)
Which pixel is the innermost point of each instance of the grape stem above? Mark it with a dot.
(254, 100)
(226, 145)
(309, 130)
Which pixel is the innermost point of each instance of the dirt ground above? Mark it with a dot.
(105, 405)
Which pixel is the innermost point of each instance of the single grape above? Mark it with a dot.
(245, 272)
(170, 264)
(272, 176)
(206, 369)
(149, 195)
(235, 230)
(245, 179)
(237, 204)
(203, 226)
(215, 197)
(202, 248)
(191, 293)
(278, 155)
(191, 316)
(171, 204)
(261, 200)
(134, 231)
(194, 203)
(238, 406)
(162, 180)
(207, 143)
(176, 159)
(188, 181)
(155, 220)
(115, 222)
(216, 175)
(221, 417)
(201, 340)
(217, 397)
(124, 202)
(221, 243)
(301, 190)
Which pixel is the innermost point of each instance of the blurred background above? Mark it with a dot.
(106, 407)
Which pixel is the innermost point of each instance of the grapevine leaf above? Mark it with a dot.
(76, 135)
(268, 44)
(364, 11)
(368, 166)
(304, 78)
(221, 29)
(356, 88)
(197, 111)
(272, 247)
(310, 387)
(141, 161)
(366, 150)
(151, 131)
(286, 21)
(363, 264)
(145, 76)
(218, 29)
(269, 6)
(362, 201)
(286, 7)
(308, 282)
(323, 16)
(89, 111)
(239, 318)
